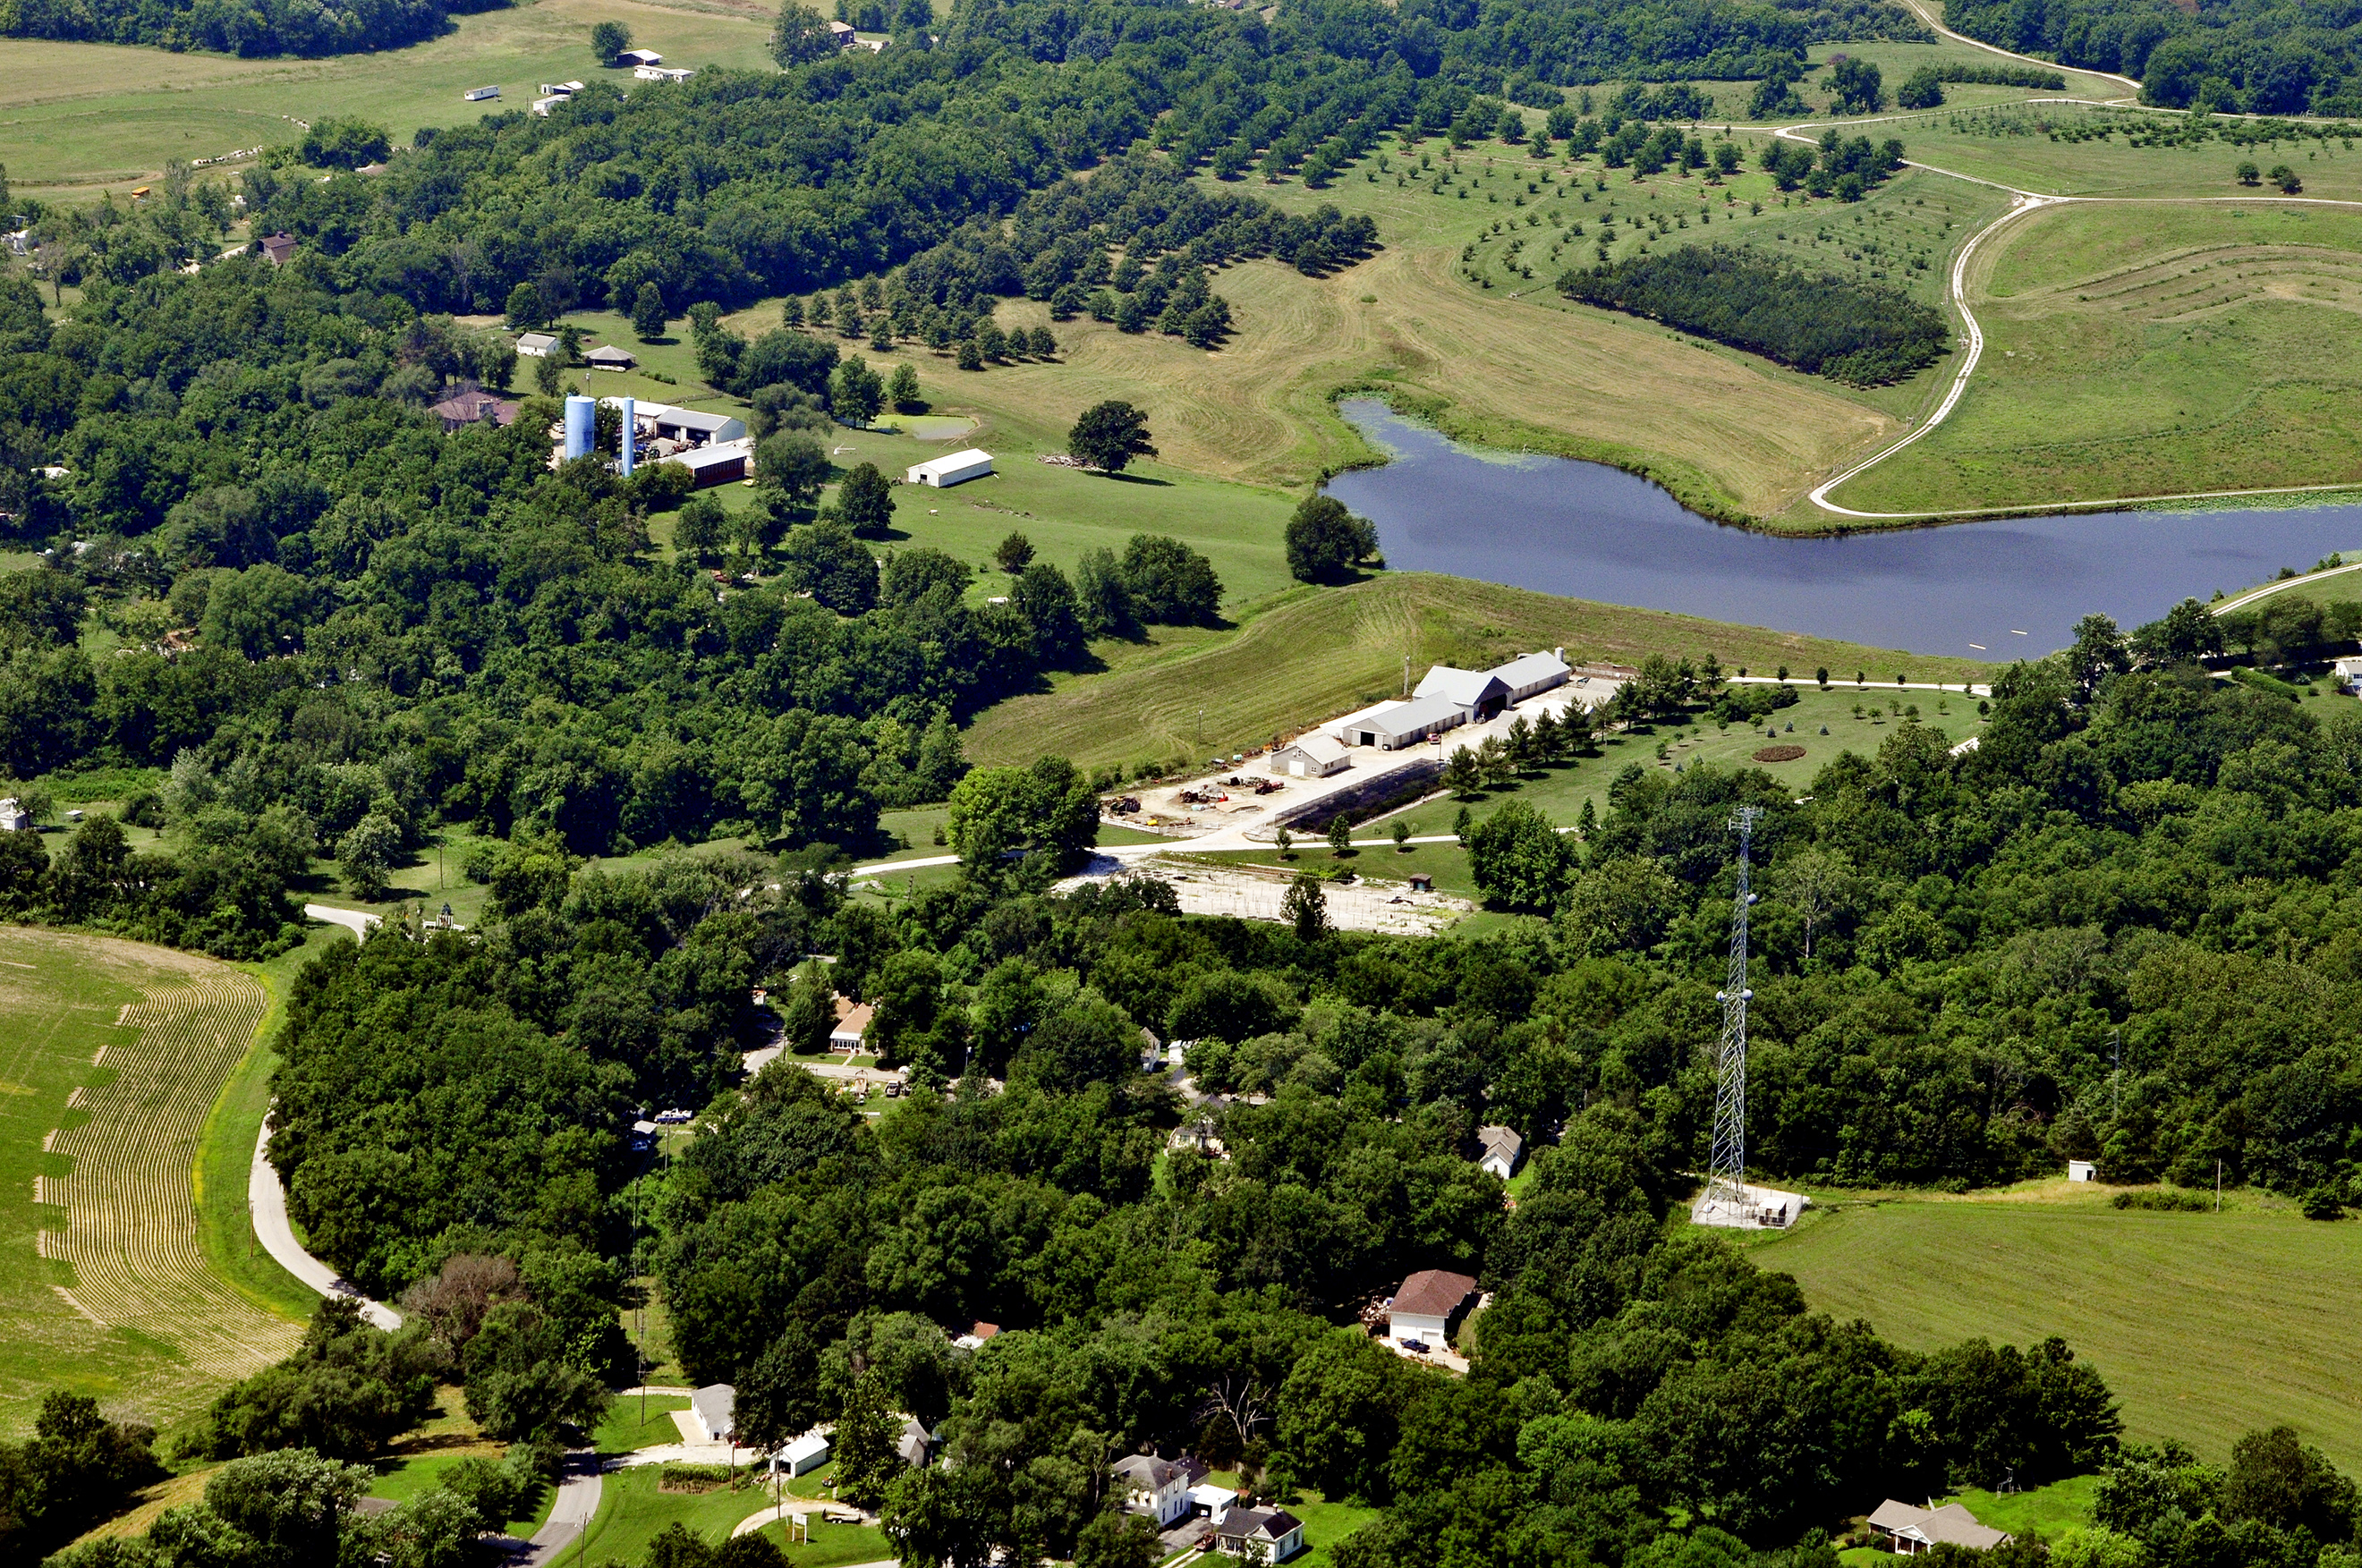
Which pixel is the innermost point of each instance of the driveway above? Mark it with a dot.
(359, 922)
(570, 1514)
(268, 1202)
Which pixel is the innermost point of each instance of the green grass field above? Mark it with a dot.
(2205, 1326)
(107, 1292)
(78, 118)
(1313, 654)
(2150, 350)
(639, 1422)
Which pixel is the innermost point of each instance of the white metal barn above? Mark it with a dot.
(1405, 723)
(957, 468)
(1314, 756)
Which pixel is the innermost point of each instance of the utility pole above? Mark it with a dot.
(2116, 1076)
(2218, 1185)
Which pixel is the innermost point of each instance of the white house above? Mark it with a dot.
(13, 817)
(662, 73)
(1314, 756)
(954, 469)
(1211, 1502)
(2347, 673)
(1501, 1146)
(537, 345)
(639, 57)
(1405, 723)
(852, 1023)
(1153, 1488)
(478, 94)
(542, 106)
(712, 1405)
(1477, 693)
(915, 1444)
(560, 89)
(2077, 1169)
(1268, 1535)
(1426, 1305)
(805, 1454)
(1915, 1530)
(1531, 675)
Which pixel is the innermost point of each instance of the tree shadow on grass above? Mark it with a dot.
(1137, 479)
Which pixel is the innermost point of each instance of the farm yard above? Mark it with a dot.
(111, 1055)
(2205, 1326)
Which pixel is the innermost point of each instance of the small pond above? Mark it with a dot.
(1977, 589)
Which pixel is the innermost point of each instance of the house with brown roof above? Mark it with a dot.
(1915, 1530)
(278, 248)
(471, 405)
(1427, 1306)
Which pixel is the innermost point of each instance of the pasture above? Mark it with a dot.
(1315, 652)
(2205, 1326)
(79, 119)
(2140, 350)
(111, 1054)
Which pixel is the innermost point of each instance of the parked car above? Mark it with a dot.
(1415, 1347)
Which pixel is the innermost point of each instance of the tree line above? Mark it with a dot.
(2263, 57)
(256, 31)
(1858, 333)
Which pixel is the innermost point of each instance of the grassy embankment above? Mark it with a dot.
(2205, 1326)
(147, 1328)
(80, 119)
(1317, 652)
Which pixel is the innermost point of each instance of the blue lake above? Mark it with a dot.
(1976, 589)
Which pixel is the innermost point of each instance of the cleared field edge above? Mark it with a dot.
(130, 1227)
(218, 1178)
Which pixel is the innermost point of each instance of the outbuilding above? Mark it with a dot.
(957, 468)
(662, 73)
(537, 345)
(842, 33)
(1405, 723)
(13, 817)
(639, 57)
(1477, 693)
(713, 1406)
(805, 1454)
(608, 357)
(1427, 1305)
(478, 94)
(2347, 673)
(720, 463)
(1314, 756)
(277, 248)
(1532, 674)
(2082, 1170)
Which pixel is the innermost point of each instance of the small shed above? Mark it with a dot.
(713, 1406)
(537, 345)
(2081, 1170)
(277, 248)
(13, 817)
(1312, 756)
(478, 94)
(805, 1454)
(957, 468)
(608, 357)
(662, 73)
(1500, 1148)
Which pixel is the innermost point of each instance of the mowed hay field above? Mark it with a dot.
(111, 1055)
(2145, 350)
(1314, 653)
(76, 119)
(2205, 1326)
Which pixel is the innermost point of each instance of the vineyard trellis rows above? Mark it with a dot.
(130, 1220)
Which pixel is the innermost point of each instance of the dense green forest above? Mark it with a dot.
(308, 27)
(2265, 56)
(1860, 333)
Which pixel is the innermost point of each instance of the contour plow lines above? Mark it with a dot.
(130, 1222)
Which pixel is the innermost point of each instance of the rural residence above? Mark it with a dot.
(478, 95)
(1267, 1535)
(278, 248)
(1153, 1487)
(712, 1405)
(852, 1023)
(1915, 1530)
(1501, 1146)
(1427, 1307)
(537, 345)
(470, 405)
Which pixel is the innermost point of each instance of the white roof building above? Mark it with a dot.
(1477, 693)
(1915, 1530)
(662, 73)
(1405, 723)
(1532, 674)
(639, 57)
(805, 1454)
(478, 94)
(1314, 756)
(954, 468)
(537, 345)
(712, 1405)
(691, 427)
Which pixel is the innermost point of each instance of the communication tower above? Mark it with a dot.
(1727, 1198)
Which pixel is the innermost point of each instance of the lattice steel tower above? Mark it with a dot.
(1724, 1201)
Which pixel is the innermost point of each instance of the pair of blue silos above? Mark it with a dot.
(582, 428)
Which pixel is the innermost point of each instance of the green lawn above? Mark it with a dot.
(1325, 1523)
(632, 1510)
(627, 1428)
(399, 1480)
(2205, 1326)
(2044, 1511)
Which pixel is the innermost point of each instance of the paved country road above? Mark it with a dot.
(268, 1201)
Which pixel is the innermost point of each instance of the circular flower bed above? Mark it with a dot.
(1779, 753)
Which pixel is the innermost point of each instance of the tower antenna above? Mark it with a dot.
(1726, 1200)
